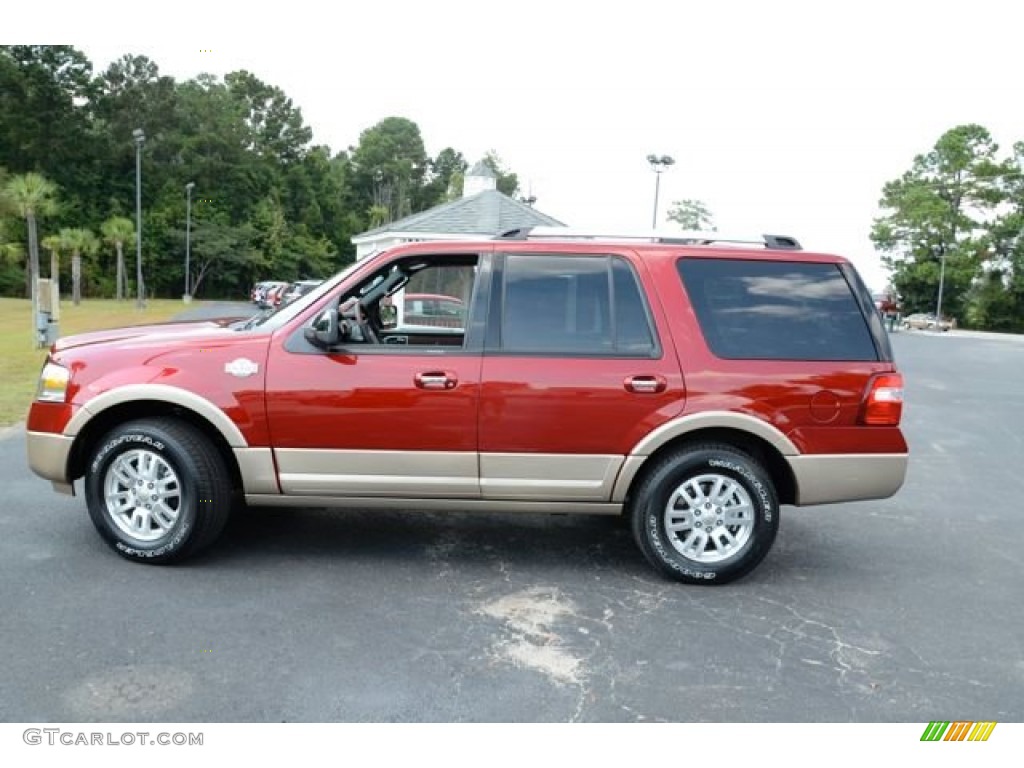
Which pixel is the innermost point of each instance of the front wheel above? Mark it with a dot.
(157, 490)
(706, 514)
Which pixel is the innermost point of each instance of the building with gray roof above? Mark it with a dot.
(481, 212)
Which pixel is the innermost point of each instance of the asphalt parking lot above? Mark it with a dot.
(907, 609)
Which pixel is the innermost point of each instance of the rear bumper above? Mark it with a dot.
(827, 479)
(48, 455)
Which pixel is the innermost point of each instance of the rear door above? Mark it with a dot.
(575, 372)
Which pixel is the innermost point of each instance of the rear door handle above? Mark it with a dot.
(645, 385)
(436, 380)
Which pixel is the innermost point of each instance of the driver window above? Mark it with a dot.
(431, 309)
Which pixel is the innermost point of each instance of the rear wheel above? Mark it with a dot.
(157, 490)
(706, 514)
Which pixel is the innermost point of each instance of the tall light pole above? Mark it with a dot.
(658, 164)
(139, 138)
(188, 235)
(942, 280)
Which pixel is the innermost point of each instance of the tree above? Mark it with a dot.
(275, 126)
(935, 215)
(32, 195)
(389, 165)
(997, 299)
(78, 241)
(692, 215)
(214, 244)
(117, 231)
(446, 171)
(507, 182)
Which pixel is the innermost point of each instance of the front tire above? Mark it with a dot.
(706, 514)
(157, 490)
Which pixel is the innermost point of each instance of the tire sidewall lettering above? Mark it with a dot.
(133, 437)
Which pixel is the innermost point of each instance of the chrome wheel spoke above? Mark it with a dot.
(715, 497)
(124, 472)
(164, 516)
(139, 520)
(679, 520)
(724, 540)
(741, 514)
(695, 543)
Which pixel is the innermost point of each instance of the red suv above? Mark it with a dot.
(692, 382)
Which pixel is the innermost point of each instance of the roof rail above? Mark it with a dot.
(683, 237)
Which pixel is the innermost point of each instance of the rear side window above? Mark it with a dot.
(774, 310)
(576, 305)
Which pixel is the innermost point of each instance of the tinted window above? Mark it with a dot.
(776, 310)
(573, 305)
(632, 327)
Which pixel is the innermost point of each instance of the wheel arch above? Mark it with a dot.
(91, 430)
(756, 446)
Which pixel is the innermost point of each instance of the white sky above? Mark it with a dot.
(782, 116)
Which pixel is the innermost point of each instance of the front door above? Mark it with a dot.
(390, 414)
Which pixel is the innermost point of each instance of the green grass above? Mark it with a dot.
(20, 361)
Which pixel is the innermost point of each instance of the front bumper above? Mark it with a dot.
(48, 457)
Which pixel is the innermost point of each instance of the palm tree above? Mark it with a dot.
(32, 195)
(118, 230)
(78, 241)
(54, 244)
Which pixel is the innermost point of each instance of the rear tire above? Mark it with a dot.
(705, 514)
(157, 490)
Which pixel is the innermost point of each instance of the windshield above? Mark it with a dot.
(271, 319)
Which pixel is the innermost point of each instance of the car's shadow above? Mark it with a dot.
(534, 542)
(465, 538)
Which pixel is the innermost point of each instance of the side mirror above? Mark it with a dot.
(325, 331)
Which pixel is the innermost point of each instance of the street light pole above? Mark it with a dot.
(942, 281)
(658, 164)
(139, 138)
(188, 235)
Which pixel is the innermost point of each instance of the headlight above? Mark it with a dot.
(53, 383)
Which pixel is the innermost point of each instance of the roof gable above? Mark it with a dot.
(486, 213)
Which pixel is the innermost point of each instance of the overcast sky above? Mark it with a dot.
(782, 116)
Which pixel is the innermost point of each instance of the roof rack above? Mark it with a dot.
(684, 237)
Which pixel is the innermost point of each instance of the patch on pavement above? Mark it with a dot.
(530, 639)
(129, 693)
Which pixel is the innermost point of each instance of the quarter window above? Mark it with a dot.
(774, 310)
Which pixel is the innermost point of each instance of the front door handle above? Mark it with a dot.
(436, 380)
(645, 385)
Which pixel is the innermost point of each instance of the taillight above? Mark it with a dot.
(883, 401)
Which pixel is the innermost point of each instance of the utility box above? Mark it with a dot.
(47, 329)
(45, 295)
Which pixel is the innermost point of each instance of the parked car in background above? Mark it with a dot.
(256, 294)
(888, 304)
(297, 289)
(275, 295)
(920, 321)
(263, 292)
(431, 309)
